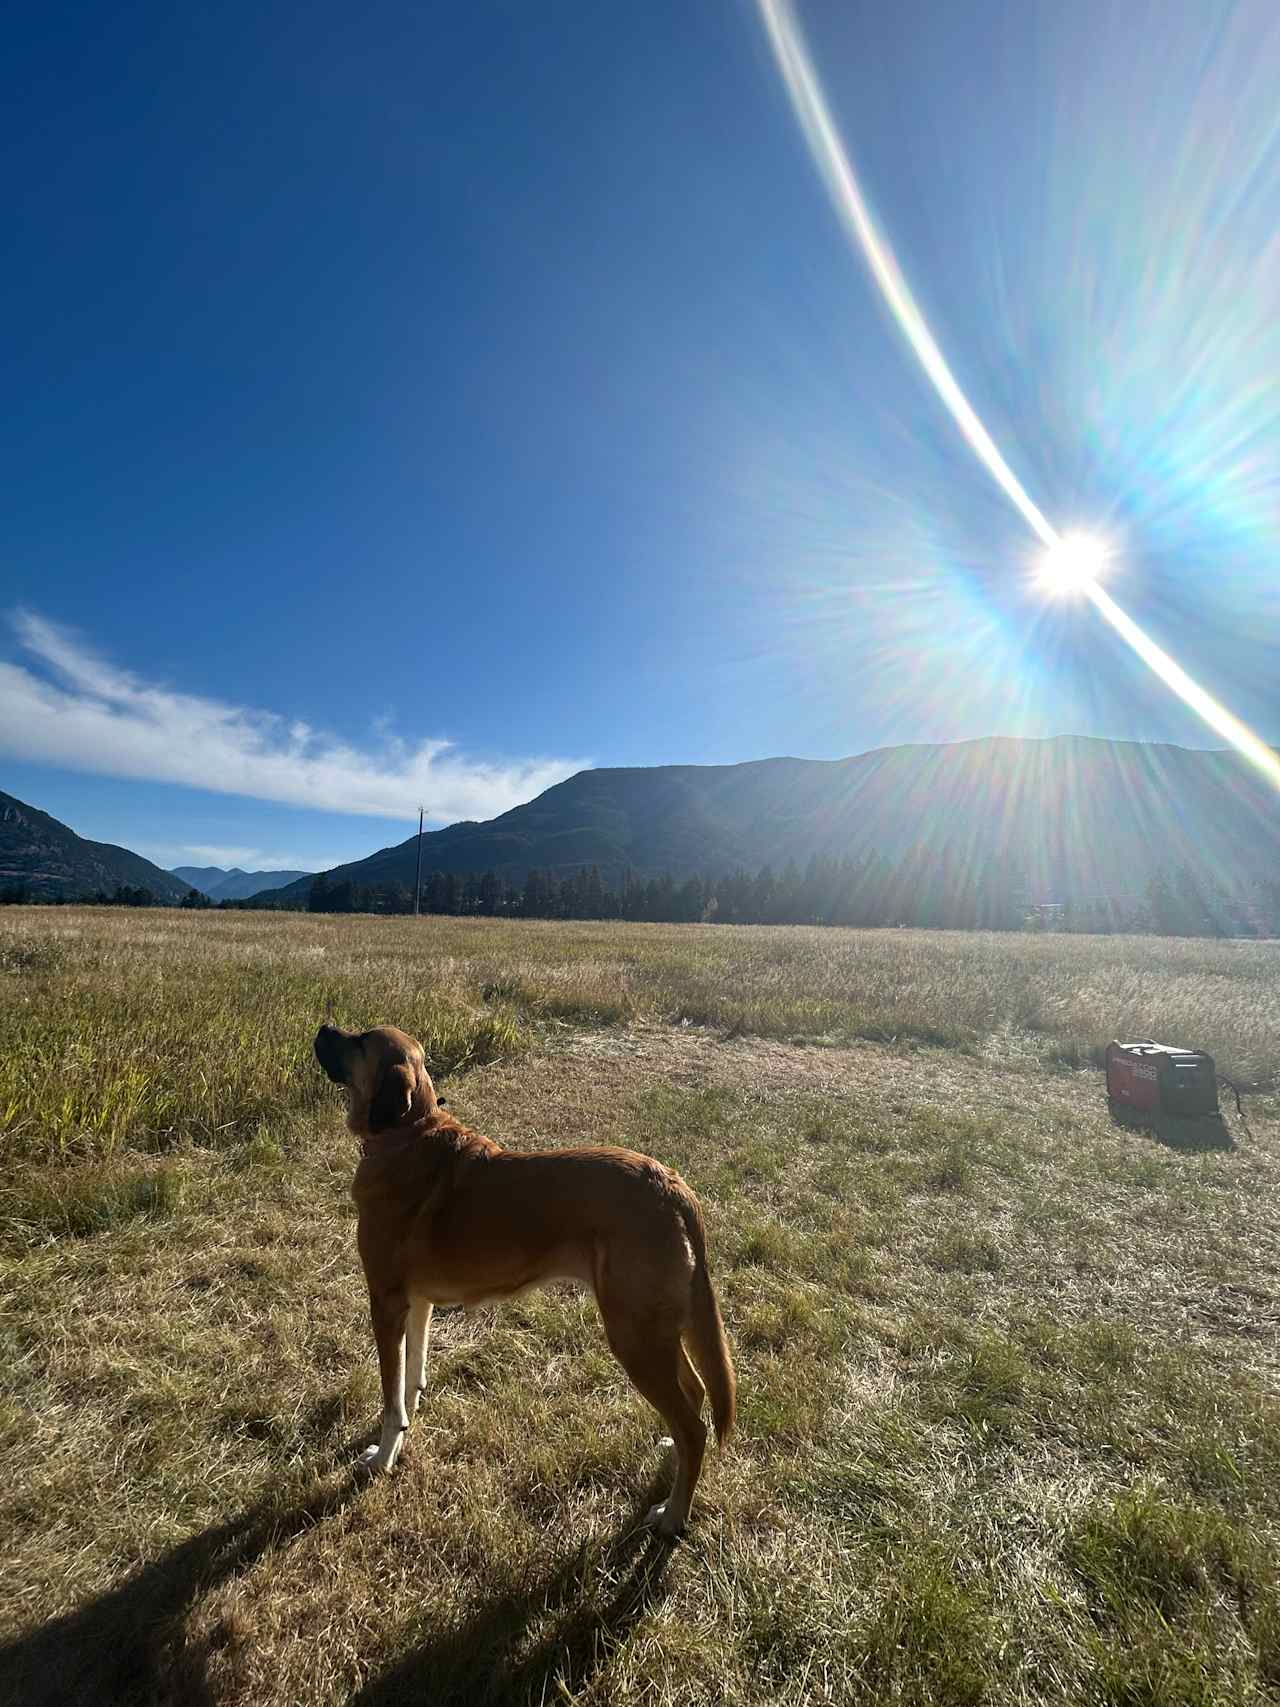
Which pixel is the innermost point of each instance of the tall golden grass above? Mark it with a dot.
(141, 1029)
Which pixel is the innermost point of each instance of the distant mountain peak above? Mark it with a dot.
(221, 883)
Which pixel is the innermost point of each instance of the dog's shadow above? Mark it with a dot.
(595, 1599)
(131, 1646)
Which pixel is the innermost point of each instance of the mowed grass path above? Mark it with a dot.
(1008, 1432)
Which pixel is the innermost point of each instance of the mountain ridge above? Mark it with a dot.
(47, 858)
(1079, 815)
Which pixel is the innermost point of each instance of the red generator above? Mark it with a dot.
(1155, 1078)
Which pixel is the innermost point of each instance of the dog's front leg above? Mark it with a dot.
(389, 1311)
(417, 1338)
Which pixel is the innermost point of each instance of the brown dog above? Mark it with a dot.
(449, 1217)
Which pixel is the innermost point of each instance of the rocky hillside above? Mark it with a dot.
(48, 860)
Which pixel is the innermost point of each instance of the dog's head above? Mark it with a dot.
(384, 1073)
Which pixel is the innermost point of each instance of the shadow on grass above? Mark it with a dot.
(130, 1646)
(593, 1601)
(1193, 1134)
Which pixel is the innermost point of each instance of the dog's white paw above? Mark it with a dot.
(379, 1458)
(664, 1520)
(375, 1461)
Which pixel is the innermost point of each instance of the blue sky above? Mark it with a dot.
(423, 402)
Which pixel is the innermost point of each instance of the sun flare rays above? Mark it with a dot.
(1071, 563)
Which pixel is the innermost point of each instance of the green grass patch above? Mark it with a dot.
(966, 1251)
(930, 1637)
(1184, 1599)
(981, 1387)
(78, 1203)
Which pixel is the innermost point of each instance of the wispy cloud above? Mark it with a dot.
(81, 712)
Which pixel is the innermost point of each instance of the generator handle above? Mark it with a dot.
(1235, 1091)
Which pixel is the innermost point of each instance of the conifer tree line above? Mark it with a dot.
(18, 894)
(921, 890)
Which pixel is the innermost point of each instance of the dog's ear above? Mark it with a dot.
(393, 1098)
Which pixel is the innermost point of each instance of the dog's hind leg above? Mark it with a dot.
(691, 1382)
(653, 1357)
(417, 1339)
(389, 1311)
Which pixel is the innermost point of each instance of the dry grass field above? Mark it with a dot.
(1008, 1425)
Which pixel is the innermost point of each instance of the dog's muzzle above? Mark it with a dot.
(328, 1048)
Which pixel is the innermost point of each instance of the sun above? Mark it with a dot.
(1072, 565)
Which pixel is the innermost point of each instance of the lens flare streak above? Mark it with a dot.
(816, 121)
(837, 171)
(1216, 715)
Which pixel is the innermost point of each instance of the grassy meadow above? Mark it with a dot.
(1008, 1425)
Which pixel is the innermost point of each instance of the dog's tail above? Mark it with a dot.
(707, 1343)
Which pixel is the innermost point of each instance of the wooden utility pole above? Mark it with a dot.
(417, 882)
